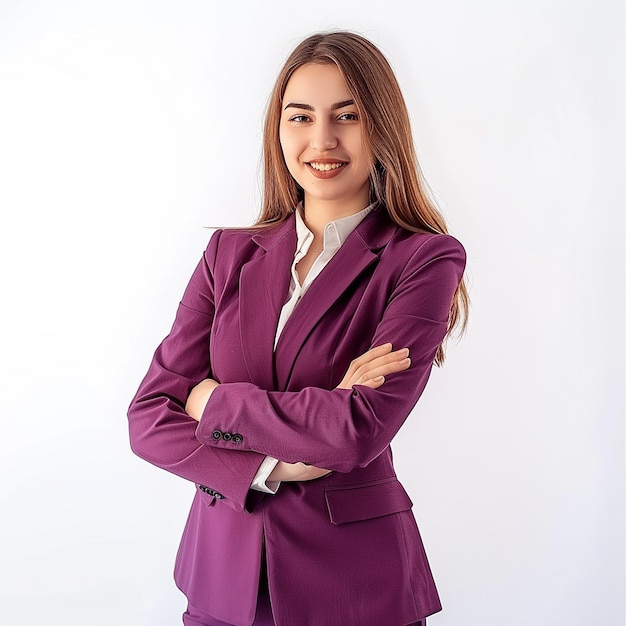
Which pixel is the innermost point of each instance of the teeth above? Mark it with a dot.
(325, 167)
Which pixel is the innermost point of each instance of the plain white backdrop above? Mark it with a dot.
(127, 127)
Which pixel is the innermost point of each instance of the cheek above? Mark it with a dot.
(286, 143)
(362, 148)
(290, 152)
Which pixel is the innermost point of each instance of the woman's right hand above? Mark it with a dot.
(369, 370)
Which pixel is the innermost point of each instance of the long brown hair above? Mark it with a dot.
(396, 178)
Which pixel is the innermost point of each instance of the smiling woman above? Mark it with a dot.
(323, 142)
(300, 347)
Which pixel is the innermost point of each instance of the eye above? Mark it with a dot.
(348, 117)
(301, 117)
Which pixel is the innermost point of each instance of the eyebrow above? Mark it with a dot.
(308, 107)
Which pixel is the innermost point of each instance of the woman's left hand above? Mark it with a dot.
(198, 398)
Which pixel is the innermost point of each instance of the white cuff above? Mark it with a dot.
(260, 482)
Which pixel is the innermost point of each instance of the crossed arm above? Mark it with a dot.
(366, 410)
(370, 370)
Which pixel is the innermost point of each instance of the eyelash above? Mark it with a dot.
(301, 118)
(353, 116)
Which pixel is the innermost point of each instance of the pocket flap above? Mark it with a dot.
(361, 502)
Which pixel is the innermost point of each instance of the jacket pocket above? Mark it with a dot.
(361, 502)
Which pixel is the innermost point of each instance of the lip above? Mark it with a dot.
(329, 173)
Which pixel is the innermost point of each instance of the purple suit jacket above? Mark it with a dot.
(343, 550)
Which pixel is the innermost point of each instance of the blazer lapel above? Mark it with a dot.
(263, 289)
(359, 251)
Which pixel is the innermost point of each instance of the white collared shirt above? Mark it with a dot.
(335, 233)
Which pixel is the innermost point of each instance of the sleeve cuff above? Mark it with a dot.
(260, 482)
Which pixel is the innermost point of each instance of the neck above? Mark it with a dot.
(318, 213)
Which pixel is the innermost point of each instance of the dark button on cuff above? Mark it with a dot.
(226, 436)
(211, 492)
(217, 434)
(237, 438)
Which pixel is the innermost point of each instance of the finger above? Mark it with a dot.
(374, 383)
(378, 367)
(384, 370)
(371, 354)
(392, 357)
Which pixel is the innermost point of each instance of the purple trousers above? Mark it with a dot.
(194, 617)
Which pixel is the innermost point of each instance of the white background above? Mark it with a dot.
(127, 127)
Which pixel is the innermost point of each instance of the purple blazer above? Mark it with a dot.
(343, 550)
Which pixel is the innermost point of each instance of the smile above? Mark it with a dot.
(325, 167)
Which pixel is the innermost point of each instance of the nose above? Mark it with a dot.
(323, 136)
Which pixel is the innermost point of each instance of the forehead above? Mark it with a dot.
(316, 83)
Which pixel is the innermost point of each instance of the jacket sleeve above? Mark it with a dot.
(342, 429)
(160, 430)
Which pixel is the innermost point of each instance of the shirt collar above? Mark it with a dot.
(335, 233)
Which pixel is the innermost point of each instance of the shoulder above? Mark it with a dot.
(260, 235)
(418, 248)
(226, 238)
(234, 246)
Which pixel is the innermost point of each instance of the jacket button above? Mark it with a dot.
(226, 436)
(217, 434)
(218, 495)
(237, 438)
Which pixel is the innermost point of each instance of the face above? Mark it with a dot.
(322, 139)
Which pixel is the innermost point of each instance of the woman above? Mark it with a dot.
(299, 348)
